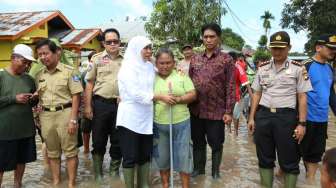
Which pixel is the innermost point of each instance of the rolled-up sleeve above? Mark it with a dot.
(256, 83)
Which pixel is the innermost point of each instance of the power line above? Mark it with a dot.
(239, 20)
(237, 25)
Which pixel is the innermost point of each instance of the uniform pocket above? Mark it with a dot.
(288, 80)
(62, 84)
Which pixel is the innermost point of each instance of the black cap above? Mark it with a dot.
(327, 40)
(279, 39)
(186, 46)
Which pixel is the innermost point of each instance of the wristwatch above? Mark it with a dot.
(302, 123)
(74, 121)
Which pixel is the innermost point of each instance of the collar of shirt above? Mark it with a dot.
(59, 67)
(105, 54)
(285, 65)
(214, 54)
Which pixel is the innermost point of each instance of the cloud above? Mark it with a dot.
(30, 4)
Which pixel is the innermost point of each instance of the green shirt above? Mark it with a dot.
(181, 84)
(16, 119)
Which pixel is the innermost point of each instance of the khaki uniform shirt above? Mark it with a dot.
(280, 87)
(56, 88)
(104, 72)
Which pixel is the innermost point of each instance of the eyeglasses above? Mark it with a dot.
(111, 42)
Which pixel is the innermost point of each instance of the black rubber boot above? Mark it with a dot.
(216, 162)
(199, 162)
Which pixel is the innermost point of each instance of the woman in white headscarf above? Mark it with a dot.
(135, 110)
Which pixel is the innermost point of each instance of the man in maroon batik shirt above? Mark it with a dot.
(212, 73)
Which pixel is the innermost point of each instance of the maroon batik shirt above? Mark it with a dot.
(214, 81)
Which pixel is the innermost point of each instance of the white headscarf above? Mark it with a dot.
(135, 82)
(132, 58)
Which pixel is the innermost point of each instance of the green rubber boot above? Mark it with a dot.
(290, 180)
(266, 177)
(98, 167)
(143, 176)
(129, 177)
(114, 168)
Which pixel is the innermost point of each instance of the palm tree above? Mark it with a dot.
(267, 17)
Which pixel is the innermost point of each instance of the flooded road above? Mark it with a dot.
(239, 168)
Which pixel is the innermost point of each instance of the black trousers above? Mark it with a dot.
(274, 134)
(135, 148)
(314, 142)
(104, 126)
(205, 131)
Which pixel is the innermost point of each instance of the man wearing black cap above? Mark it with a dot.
(319, 100)
(279, 84)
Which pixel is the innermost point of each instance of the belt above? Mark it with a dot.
(57, 108)
(105, 100)
(275, 110)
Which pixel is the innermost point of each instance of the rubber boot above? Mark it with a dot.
(114, 168)
(266, 177)
(199, 162)
(290, 180)
(98, 167)
(216, 162)
(143, 176)
(129, 177)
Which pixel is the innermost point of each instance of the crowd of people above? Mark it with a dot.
(151, 107)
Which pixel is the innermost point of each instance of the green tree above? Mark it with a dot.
(315, 16)
(263, 42)
(181, 20)
(267, 17)
(232, 39)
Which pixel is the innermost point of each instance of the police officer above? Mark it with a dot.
(102, 87)
(59, 88)
(278, 85)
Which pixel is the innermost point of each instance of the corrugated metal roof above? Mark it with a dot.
(12, 24)
(79, 36)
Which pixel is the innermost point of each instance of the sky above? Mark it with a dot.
(93, 13)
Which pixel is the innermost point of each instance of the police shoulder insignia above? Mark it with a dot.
(297, 63)
(68, 67)
(264, 63)
(305, 73)
(95, 56)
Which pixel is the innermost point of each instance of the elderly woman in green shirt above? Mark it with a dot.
(176, 91)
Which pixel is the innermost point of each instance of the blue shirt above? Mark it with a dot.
(318, 100)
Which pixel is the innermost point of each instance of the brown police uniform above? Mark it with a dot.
(104, 72)
(276, 117)
(55, 93)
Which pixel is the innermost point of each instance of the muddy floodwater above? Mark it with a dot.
(239, 167)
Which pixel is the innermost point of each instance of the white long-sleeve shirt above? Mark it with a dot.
(135, 110)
